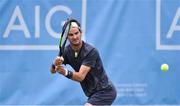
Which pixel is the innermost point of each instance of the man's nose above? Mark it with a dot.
(74, 36)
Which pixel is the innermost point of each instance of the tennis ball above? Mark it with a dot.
(164, 67)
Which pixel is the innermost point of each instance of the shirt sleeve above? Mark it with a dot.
(91, 58)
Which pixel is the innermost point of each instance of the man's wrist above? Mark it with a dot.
(66, 72)
(69, 74)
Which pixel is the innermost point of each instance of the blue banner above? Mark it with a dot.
(134, 38)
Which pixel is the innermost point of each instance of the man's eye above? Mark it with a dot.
(70, 34)
(76, 33)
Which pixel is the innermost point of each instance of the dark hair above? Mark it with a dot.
(69, 21)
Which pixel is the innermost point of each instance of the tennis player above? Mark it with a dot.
(88, 68)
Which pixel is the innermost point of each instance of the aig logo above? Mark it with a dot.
(167, 25)
(34, 26)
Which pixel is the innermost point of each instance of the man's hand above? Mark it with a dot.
(57, 61)
(60, 69)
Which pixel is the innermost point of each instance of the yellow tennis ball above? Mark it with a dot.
(164, 67)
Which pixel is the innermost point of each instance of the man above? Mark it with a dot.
(89, 70)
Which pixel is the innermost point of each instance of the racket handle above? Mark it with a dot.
(53, 69)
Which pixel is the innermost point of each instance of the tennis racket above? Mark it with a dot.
(62, 41)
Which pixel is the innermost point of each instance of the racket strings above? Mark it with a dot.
(64, 37)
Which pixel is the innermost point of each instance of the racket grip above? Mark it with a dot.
(53, 69)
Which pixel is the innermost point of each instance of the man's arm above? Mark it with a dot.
(76, 76)
(80, 76)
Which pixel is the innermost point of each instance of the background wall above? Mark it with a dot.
(134, 37)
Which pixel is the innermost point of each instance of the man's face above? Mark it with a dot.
(74, 36)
